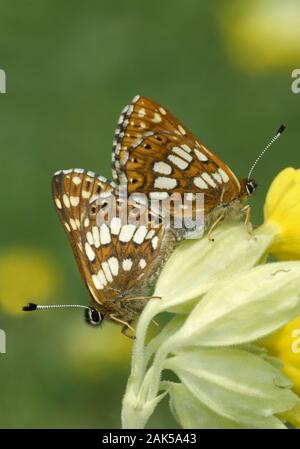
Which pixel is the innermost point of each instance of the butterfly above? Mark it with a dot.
(118, 260)
(155, 154)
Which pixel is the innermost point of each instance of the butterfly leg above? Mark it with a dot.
(213, 227)
(248, 224)
(126, 326)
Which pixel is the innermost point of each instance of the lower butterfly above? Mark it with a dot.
(118, 261)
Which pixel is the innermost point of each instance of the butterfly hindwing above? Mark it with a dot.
(72, 191)
(115, 258)
(122, 256)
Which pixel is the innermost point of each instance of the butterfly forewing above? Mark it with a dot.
(154, 152)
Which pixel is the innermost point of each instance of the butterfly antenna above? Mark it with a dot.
(273, 140)
(31, 306)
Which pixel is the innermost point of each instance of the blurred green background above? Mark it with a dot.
(223, 68)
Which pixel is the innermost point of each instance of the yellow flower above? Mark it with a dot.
(292, 416)
(285, 344)
(25, 274)
(282, 214)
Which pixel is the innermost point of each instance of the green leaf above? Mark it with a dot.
(244, 307)
(196, 265)
(235, 384)
(192, 413)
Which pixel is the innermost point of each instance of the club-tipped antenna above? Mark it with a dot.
(31, 306)
(273, 140)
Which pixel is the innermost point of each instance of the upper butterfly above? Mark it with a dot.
(153, 153)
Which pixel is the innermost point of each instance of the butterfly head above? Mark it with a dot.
(248, 188)
(93, 317)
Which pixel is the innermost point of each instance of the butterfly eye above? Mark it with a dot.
(251, 186)
(93, 317)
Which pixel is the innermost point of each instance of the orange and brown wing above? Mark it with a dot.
(73, 190)
(115, 258)
(154, 152)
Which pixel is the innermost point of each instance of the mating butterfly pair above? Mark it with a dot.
(155, 155)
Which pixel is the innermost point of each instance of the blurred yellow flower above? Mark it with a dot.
(282, 214)
(25, 274)
(262, 35)
(95, 352)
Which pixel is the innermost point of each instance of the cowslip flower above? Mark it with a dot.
(282, 215)
(225, 300)
(261, 36)
(28, 263)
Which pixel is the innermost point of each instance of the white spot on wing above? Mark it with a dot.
(162, 167)
(154, 242)
(89, 238)
(89, 252)
(198, 181)
(74, 200)
(224, 175)
(178, 162)
(115, 225)
(142, 112)
(150, 234)
(96, 236)
(76, 180)
(217, 177)
(104, 234)
(101, 277)
(142, 263)
(73, 224)
(66, 200)
(97, 283)
(58, 203)
(126, 233)
(85, 194)
(201, 156)
(156, 118)
(113, 265)
(181, 130)
(163, 183)
(206, 176)
(186, 148)
(182, 153)
(106, 270)
(127, 264)
(140, 234)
